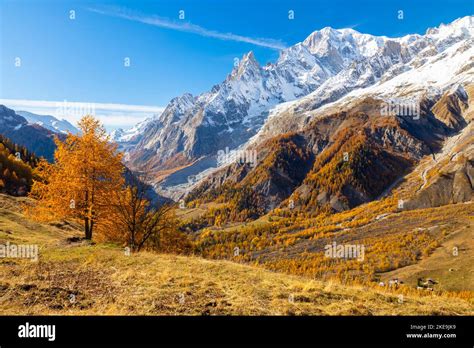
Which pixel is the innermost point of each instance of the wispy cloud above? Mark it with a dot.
(111, 115)
(187, 27)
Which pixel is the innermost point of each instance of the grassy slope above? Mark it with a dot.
(408, 240)
(454, 272)
(106, 281)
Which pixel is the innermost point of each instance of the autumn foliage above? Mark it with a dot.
(86, 183)
(141, 225)
(16, 168)
(87, 170)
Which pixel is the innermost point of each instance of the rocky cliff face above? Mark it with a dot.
(448, 188)
(448, 176)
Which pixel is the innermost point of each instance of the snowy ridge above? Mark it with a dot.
(49, 122)
(328, 67)
(435, 68)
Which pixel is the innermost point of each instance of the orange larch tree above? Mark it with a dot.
(81, 182)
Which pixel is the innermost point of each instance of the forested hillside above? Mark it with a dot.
(16, 168)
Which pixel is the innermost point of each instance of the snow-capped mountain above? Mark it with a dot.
(234, 110)
(417, 66)
(127, 139)
(34, 137)
(49, 122)
(329, 66)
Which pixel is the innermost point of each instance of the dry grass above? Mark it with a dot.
(453, 271)
(83, 279)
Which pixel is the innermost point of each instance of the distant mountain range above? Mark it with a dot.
(49, 122)
(129, 138)
(35, 132)
(33, 136)
(330, 71)
(384, 103)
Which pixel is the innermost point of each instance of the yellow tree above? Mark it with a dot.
(139, 223)
(86, 172)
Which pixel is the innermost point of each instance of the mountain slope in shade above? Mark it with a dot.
(447, 176)
(34, 137)
(49, 122)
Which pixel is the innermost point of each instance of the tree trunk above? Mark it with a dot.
(88, 228)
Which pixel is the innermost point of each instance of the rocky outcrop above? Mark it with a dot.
(447, 188)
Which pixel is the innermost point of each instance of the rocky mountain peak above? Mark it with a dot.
(460, 27)
(347, 43)
(248, 68)
(179, 105)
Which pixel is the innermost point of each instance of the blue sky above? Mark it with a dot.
(82, 59)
